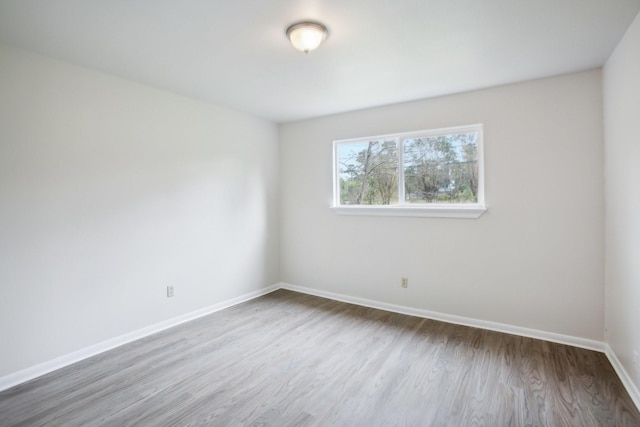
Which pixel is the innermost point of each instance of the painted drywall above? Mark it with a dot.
(621, 88)
(109, 192)
(535, 259)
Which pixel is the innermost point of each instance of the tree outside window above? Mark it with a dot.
(438, 167)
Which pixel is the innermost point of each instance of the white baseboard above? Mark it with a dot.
(32, 372)
(599, 346)
(624, 375)
(24, 375)
(459, 320)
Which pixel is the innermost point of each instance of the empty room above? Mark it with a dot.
(320, 213)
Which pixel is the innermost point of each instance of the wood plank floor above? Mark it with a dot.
(289, 359)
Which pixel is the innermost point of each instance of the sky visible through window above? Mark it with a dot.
(440, 169)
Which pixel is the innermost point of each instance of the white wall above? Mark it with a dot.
(535, 259)
(622, 165)
(109, 191)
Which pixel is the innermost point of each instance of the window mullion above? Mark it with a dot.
(400, 149)
(336, 176)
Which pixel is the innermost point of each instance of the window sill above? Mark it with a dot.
(471, 212)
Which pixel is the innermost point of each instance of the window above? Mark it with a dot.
(427, 173)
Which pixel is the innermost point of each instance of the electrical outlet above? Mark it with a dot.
(405, 282)
(169, 291)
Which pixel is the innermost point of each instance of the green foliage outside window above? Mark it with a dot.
(436, 169)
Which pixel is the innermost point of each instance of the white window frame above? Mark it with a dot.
(435, 210)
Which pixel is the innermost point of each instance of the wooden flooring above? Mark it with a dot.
(289, 359)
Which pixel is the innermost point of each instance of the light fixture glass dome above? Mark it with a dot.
(307, 36)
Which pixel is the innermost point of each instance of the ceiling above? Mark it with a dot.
(234, 52)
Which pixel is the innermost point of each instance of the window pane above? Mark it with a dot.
(368, 172)
(441, 169)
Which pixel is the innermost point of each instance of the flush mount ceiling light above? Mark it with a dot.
(307, 35)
